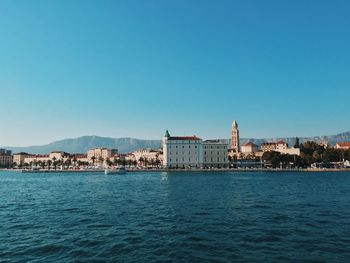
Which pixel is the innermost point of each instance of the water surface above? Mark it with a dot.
(180, 217)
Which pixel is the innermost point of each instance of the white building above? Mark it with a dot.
(280, 146)
(98, 154)
(215, 154)
(343, 145)
(59, 155)
(35, 158)
(18, 158)
(249, 147)
(182, 152)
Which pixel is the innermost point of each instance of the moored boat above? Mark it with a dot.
(120, 170)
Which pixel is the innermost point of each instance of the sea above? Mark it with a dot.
(175, 217)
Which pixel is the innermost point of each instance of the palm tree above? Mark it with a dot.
(49, 163)
(54, 162)
(108, 162)
(93, 158)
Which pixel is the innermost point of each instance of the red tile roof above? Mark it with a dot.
(343, 144)
(185, 138)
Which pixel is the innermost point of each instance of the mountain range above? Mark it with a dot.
(125, 145)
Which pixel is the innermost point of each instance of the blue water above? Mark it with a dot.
(178, 217)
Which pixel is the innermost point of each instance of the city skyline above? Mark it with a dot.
(135, 69)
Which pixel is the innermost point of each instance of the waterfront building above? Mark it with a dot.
(147, 156)
(182, 151)
(5, 158)
(59, 155)
(18, 158)
(249, 147)
(101, 153)
(79, 158)
(215, 154)
(235, 137)
(279, 146)
(35, 158)
(274, 146)
(343, 145)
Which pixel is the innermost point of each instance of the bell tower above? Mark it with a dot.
(235, 137)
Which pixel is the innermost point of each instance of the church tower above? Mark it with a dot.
(235, 137)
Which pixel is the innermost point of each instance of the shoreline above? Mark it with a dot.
(162, 170)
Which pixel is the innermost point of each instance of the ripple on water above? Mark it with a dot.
(144, 217)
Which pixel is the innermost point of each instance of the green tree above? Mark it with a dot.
(297, 143)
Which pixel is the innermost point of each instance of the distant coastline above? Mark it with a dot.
(312, 170)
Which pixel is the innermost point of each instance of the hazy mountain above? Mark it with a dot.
(124, 145)
(332, 139)
(83, 144)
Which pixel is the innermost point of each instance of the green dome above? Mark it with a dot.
(167, 134)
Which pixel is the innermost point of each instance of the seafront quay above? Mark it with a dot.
(193, 170)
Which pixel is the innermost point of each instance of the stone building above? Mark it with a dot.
(182, 151)
(215, 154)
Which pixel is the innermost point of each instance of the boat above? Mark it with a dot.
(120, 170)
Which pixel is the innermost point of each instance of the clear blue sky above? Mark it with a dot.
(135, 68)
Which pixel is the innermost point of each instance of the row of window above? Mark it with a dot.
(183, 153)
(212, 153)
(212, 160)
(183, 146)
(183, 160)
(215, 147)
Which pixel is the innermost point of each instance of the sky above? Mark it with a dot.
(136, 68)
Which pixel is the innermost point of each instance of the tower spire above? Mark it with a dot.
(235, 137)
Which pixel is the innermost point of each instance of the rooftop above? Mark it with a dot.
(185, 138)
(250, 144)
(344, 144)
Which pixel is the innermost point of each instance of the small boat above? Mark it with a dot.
(120, 170)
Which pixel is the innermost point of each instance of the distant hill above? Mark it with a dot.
(124, 145)
(83, 144)
(332, 139)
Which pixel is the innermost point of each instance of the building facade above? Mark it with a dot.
(59, 155)
(32, 159)
(249, 147)
(215, 154)
(343, 145)
(5, 158)
(182, 152)
(100, 153)
(273, 146)
(280, 146)
(235, 137)
(18, 158)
